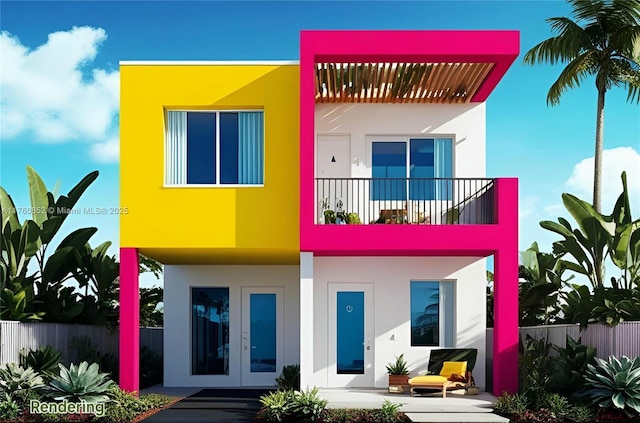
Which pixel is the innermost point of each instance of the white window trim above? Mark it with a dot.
(216, 185)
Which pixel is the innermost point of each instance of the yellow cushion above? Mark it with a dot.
(427, 379)
(453, 368)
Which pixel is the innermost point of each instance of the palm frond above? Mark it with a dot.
(625, 41)
(587, 10)
(627, 10)
(572, 75)
(548, 51)
(626, 73)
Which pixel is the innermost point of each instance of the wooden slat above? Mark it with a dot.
(483, 72)
(399, 82)
(334, 78)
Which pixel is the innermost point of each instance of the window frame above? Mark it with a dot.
(217, 184)
(442, 327)
(406, 138)
(191, 340)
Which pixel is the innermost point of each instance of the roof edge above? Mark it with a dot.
(208, 62)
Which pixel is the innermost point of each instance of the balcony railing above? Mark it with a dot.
(440, 201)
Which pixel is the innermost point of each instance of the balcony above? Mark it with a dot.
(417, 201)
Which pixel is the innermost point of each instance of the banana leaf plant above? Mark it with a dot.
(541, 279)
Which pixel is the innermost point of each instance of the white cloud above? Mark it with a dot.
(614, 161)
(106, 152)
(47, 94)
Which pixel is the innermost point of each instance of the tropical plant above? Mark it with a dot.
(276, 406)
(535, 364)
(398, 367)
(510, 404)
(84, 349)
(599, 236)
(9, 409)
(289, 379)
(307, 405)
(388, 412)
(44, 360)
(540, 283)
(569, 366)
(80, 383)
(614, 383)
(19, 384)
(490, 299)
(151, 367)
(604, 47)
(150, 314)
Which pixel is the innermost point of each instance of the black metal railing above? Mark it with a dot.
(436, 201)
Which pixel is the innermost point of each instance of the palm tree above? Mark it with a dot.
(606, 46)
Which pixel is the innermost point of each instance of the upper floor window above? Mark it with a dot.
(417, 169)
(214, 148)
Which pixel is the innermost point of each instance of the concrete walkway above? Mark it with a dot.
(241, 405)
(429, 408)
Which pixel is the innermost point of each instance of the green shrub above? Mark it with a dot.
(290, 378)
(276, 406)
(151, 367)
(569, 367)
(580, 413)
(19, 384)
(360, 415)
(614, 383)
(44, 360)
(556, 404)
(9, 409)
(86, 350)
(388, 413)
(535, 370)
(80, 383)
(307, 405)
(510, 405)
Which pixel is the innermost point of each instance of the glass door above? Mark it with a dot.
(262, 335)
(351, 335)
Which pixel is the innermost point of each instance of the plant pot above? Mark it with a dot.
(398, 383)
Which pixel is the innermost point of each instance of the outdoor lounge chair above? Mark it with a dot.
(448, 369)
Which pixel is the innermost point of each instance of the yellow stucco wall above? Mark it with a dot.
(213, 224)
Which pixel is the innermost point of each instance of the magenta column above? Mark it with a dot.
(129, 320)
(505, 332)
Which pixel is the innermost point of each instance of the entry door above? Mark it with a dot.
(351, 335)
(262, 335)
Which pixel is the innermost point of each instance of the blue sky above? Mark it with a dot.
(59, 93)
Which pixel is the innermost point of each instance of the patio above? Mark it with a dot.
(427, 408)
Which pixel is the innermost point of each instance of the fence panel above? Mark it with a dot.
(15, 336)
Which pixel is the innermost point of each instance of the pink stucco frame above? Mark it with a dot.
(129, 320)
(499, 239)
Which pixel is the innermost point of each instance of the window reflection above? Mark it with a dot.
(425, 314)
(210, 331)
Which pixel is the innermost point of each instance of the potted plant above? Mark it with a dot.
(398, 371)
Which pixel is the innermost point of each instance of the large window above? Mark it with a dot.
(429, 159)
(210, 331)
(432, 314)
(214, 148)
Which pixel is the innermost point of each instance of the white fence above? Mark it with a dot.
(15, 336)
(623, 339)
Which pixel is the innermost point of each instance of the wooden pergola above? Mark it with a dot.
(398, 82)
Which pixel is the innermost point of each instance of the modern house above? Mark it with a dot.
(332, 212)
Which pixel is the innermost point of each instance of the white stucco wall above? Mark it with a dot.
(465, 123)
(390, 277)
(178, 281)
